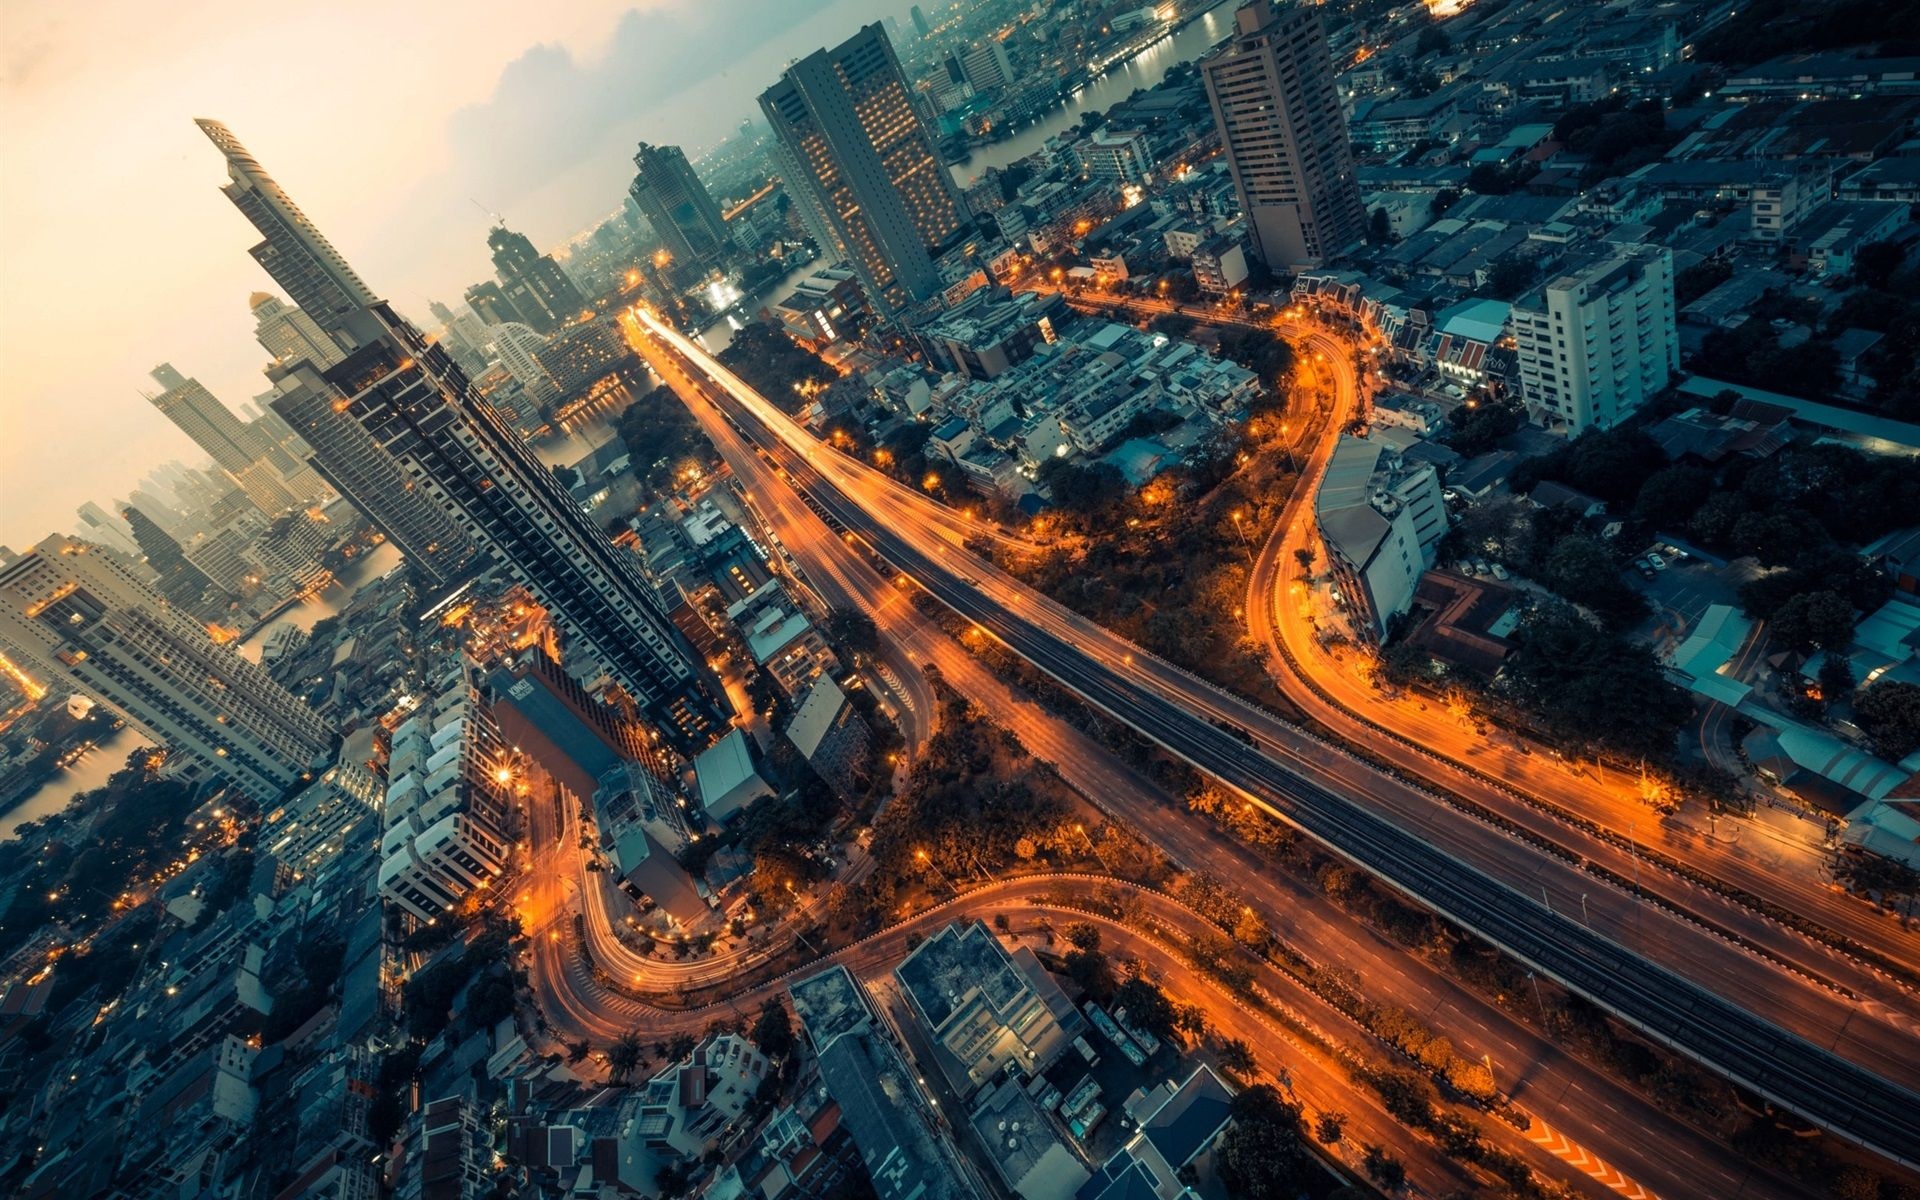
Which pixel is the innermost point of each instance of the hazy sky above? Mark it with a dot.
(384, 121)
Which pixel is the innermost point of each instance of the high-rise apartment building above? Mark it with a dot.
(460, 454)
(289, 334)
(99, 525)
(349, 458)
(1597, 343)
(1285, 136)
(678, 206)
(517, 348)
(76, 615)
(534, 284)
(986, 66)
(295, 253)
(859, 161)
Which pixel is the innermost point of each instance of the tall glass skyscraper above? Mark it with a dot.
(679, 208)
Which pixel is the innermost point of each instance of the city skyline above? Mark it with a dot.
(489, 85)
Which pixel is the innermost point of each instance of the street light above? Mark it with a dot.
(1245, 542)
(1091, 848)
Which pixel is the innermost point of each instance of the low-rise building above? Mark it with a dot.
(980, 1009)
(1379, 522)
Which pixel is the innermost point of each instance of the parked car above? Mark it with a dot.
(1499, 572)
(1659, 564)
(1644, 567)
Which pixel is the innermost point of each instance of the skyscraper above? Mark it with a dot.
(919, 19)
(76, 615)
(295, 253)
(200, 415)
(349, 458)
(289, 334)
(464, 455)
(862, 166)
(1285, 136)
(491, 303)
(534, 284)
(457, 452)
(180, 581)
(679, 208)
(235, 447)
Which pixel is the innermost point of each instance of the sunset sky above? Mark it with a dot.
(384, 121)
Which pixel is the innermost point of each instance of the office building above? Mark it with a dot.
(486, 299)
(460, 454)
(295, 253)
(180, 581)
(74, 614)
(682, 213)
(533, 283)
(1379, 520)
(1597, 343)
(862, 166)
(980, 1009)
(919, 19)
(348, 457)
(1285, 136)
(289, 334)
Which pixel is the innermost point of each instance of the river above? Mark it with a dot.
(1143, 70)
(87, 772)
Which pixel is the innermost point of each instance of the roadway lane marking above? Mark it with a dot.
(1581, 1159)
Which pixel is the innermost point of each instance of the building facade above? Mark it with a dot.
(1598, 343)
(76, 615)
(289, 334)
(361, 470)
(863, 168)
(1285, 136)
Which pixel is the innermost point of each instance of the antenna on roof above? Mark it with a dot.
(497, 218)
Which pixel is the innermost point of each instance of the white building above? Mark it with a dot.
(68, 611)
(1119, 155)
(1379, 524)
(1597, 344)
(451, 780)
(517, 347)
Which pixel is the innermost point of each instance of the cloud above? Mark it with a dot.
(551, 112)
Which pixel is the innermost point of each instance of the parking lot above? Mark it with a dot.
(1685, 590)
